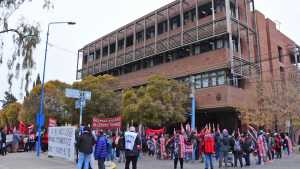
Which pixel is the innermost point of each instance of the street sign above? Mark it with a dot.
(72, 93)
(77, 104)
(87, 95)
(40, 119)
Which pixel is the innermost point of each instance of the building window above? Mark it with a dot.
(162, 27)
(85, 59)
(204, 10)
(129, 41)
(221, 77)
(90, 57)
(197, 50)
(98, 53)
(198, 81)
(213, 79)
(150, 32)
(280, 54)
(120, 44)
(175, 22)
(105, 51)
(219, 44)
(140, 36)
(112, 48)
(205, 80)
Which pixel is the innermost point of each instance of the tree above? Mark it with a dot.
(24, 38)
(8, 98)
(271, 104)
(161, 102)
(55, 103)
(105, 102)
(9, 116)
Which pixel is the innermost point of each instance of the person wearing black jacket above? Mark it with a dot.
(85, 147)
(132, 144)
(247, 147)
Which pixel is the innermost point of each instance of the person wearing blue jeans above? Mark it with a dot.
(85, 147)
(84, 159)
(208, 161)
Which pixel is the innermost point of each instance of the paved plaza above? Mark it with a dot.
(29, 161)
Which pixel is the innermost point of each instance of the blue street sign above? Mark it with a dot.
(40, 119)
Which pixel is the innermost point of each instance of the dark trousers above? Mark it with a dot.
(101, 163)
(247, 159)
(278, 153)
(130, 159)
(176, 161)
(238, 156)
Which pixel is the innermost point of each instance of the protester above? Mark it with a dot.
(85, 147)
(16, 141)
(121, 148)
(225, 148)
(178, 149)
(209, 149)
(101, 150)
(261, 151)
(278, 145)
(45, 141)
(237, 150)
(132, 148)
(151, 146)
(247, 147)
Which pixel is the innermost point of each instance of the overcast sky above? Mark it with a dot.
(96, 18)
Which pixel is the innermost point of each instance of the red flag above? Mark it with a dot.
(22, 127)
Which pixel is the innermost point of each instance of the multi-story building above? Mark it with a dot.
(214, 45)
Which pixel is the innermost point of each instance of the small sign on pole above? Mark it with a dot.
(72, 93)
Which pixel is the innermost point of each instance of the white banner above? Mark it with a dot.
(62, 142)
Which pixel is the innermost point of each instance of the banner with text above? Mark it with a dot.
(61, 142)
(107, 123)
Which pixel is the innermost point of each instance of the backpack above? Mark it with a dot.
(237, 145)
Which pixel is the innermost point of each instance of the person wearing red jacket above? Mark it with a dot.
(209, 149)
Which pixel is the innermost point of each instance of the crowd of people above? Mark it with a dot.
(215, 148)
(12, 140)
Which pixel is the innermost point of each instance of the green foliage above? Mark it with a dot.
(55, 103)
(105, 102)
(10, 114)
(161, 102)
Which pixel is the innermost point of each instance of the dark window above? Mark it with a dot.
(129, 41)
(85, 59)
(112, 48)
(120, 44)
(205, 47)
(280, 54)
(150, 32)
(140, 36)
(162, 27)
(175, 22)
(105, 51)
(98, 53)
(189, 16)
(204, 10)
(233, 11)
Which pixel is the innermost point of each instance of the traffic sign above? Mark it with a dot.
(72, 93)
(78, 104)
(40, 119)
(87, 95)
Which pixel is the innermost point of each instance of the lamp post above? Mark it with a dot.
(41, 112)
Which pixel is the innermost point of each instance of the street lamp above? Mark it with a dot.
(40, 117)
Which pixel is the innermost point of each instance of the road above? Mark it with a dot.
(29, 161)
